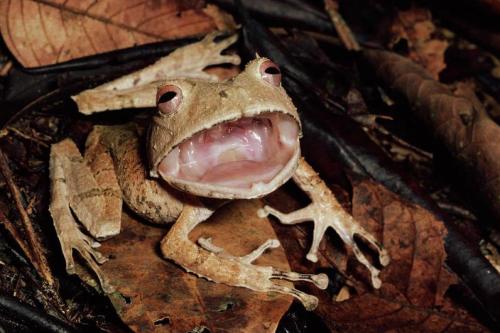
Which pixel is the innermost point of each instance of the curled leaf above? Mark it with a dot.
(460, 124)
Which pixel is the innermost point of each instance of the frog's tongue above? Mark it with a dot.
(236, 154)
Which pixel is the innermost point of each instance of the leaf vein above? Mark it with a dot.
(79, 12)
(23, 19)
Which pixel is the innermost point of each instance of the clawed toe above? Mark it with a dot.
(327, 213)
(207, 244)
(310, 302)
(84, 246)
(319, 280)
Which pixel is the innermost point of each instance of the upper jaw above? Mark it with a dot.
(244, 158)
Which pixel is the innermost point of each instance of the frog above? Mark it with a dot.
(207, 143)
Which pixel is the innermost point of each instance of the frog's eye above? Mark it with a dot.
(270, 72)
(168, 98)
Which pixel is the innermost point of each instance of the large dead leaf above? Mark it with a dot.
(459, 123)
(155, 295)
(412, 297)
(43, 32)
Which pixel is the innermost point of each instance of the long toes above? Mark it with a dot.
(90, 241)
(310, 302)
(68, 258)
(274, 244)
(255, 254)
(233, 59)
(221, 45)
(374, 272)
(312, 257)
(105, 285)
(319, 280)
(98, 257)
(207, 244)
(383, 257)
(262, 212)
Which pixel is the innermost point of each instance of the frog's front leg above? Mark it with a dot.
(87, 187)
(326, 212)
(213, 263)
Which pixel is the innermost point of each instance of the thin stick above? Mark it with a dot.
(14, 233)
(38, 258)
(345, 33)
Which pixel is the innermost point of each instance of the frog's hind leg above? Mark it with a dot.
(215, 264)
(79, 186)
(326, 212)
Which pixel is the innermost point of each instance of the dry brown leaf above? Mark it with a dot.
(155, 295)
(412, 297)
(459, 123)
(43, 32)
(416, 27)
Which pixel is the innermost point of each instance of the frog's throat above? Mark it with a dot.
(256, 191)
(244, 158)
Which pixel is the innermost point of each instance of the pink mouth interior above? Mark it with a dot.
(235, 154)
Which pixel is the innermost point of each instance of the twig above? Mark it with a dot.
(343, 30)
(26, 136)
(4, 70)
(38, 258)
(423, 155)
(14, 233)
(457, 210)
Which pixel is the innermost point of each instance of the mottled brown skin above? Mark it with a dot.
(113, 169)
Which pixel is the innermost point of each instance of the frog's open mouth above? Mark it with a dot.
(235, 154)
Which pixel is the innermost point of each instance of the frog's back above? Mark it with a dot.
(152, 199)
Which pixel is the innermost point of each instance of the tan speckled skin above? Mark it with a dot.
(205, 104)
(112, 165)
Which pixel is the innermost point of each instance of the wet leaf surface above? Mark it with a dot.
(155, 295)
(43, 32)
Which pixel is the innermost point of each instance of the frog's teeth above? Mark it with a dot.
(235, 154)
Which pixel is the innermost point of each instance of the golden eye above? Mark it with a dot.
(168, 98)
(270, 72)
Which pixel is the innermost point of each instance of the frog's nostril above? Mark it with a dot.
(270, 73)
(168, 98)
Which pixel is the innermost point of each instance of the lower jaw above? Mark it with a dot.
(241, 174)
(221, 191)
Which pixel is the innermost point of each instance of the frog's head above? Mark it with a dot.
(237, 139)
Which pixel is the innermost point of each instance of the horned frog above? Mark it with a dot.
(208, 142)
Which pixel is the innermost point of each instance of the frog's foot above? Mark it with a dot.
(326, 214)
(138, 89)
(207, 244)
(325, 211)
(83, 189)
(213, 263)
(73, 239)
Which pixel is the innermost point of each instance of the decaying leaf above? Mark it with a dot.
(46, 32)
(416, 28)
(155, 295)
(461, 124)
(412, 296)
